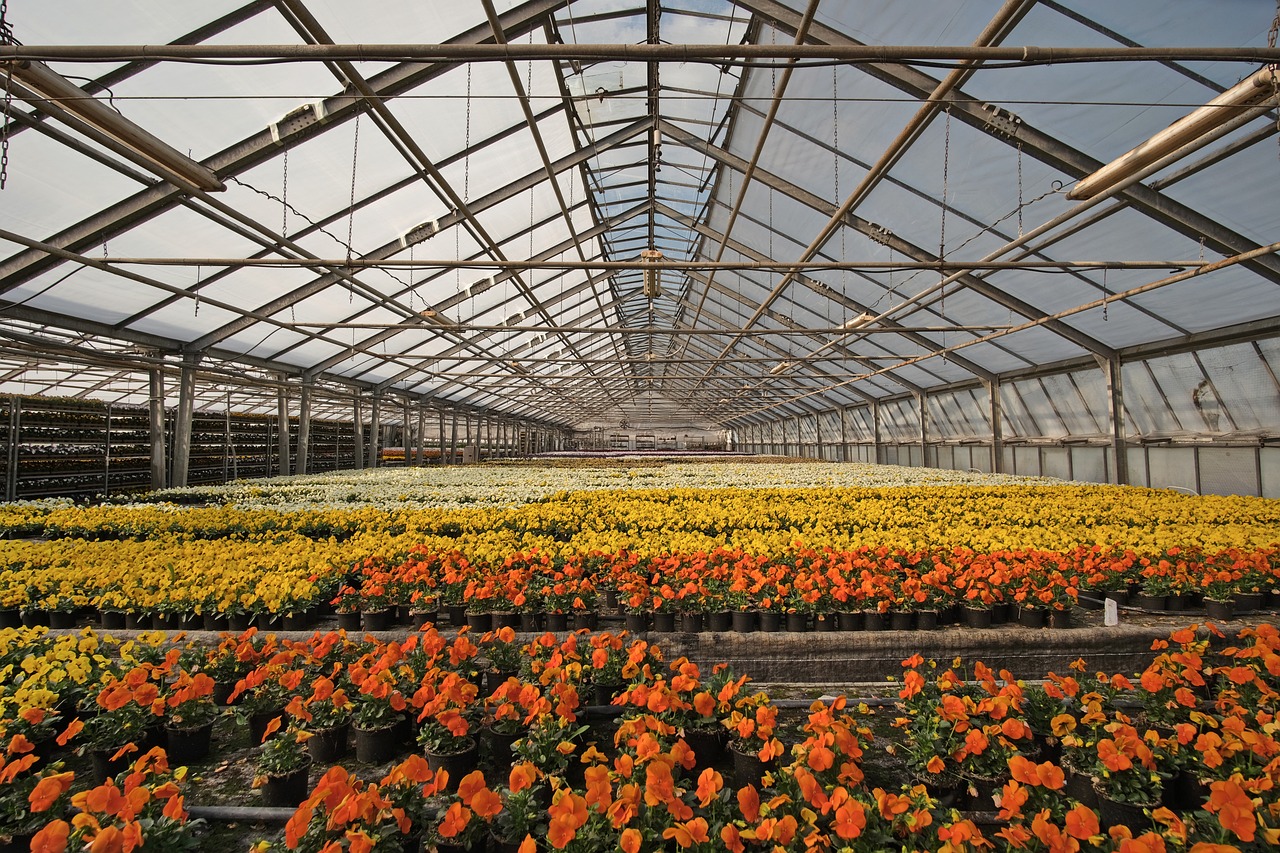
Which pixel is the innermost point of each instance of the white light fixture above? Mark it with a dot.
(781, 367)
(436, 317)
(1255, 92)
(58, 98)
(652, 283)
(861, 320)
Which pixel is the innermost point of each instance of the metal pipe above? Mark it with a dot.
(1243, 257)
(649, 330)
(637, 52)
(666, 264)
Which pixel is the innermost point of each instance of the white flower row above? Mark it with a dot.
(515, 484)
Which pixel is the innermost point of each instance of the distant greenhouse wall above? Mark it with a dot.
(1196, 420)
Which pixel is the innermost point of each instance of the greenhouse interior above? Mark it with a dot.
(588, 425)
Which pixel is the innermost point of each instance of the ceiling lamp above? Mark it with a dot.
(652, 284)
(58, 98)
(781, 367)
(436, 317)
(1255, 92)
(861, 320)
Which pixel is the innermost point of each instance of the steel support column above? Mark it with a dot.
(441, 435)
(282, 425)
(375, 430)
(875, 432)
(1111, 369)
(358, 430)
(186, 411)
(997, 428)
(302, 459)
(924, 430)
(155, 408)
(421, 449)
(453, 437)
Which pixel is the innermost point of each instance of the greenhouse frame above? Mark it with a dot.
(1032, 236)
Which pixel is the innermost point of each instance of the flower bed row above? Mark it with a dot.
(239, 579)
(1182, 756)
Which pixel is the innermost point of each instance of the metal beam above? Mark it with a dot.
(1036, 143)
(870, 230)
(256, 149)
(458, 50)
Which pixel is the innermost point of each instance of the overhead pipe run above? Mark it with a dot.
(1257, 90)
(718, 53)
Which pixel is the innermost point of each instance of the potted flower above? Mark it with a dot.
(189, 717)
(753, 741)
(1218, 586)
(28, 796)
(523, 815)
(146, 807)
(346, 603)
(326, 715)
(128, 717)
(1127, 776)
(261, 695)
(226, 664)
(464, 824)
(931, 726)
(377, 714)
(408, 786)
(504, 654)
(283, 766)
(343, 812)
(444, 703)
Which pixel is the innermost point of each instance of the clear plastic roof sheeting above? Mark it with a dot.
(472, 228)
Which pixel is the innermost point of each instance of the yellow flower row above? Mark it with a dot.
(229, 559)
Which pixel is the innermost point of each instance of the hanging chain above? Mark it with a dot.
(942, 230)
(1019, 189)
(1106, 295)
(412, 269)
(284, 197)
(466, 157)
(835, 144)
(351, 210)
(1275, 81)
(6, 37)
(197, 290)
